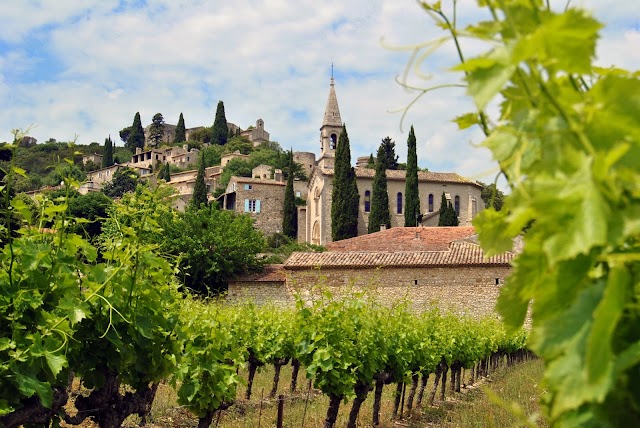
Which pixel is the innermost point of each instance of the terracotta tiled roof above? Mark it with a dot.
(459, 254)
(404, 239)
(269, 273)
(438, 177)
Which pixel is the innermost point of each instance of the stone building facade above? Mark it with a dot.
(262, 199)
(429, 267)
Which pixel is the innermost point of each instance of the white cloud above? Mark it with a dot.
(265, 59)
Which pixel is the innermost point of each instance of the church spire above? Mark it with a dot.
(332, 112)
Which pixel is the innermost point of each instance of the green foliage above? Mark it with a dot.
(156, 130)
(107, 154)
(239, 144)
(180, 135)
(219, 131)
(64, 169)
(290, 212)
(344, 207)
(199, 197)
(389, 153)
(124, 180)
(379, 214)
(568, 142)
(411, 196)
(492, 196)
(371, 163)
(202, 135)
(212, 246)
(167, 172)
(135, 136)
(448, 216)
(90, 211)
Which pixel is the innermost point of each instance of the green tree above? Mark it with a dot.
(444, 205)
(212, 246)
(135, 137)
(199, 188)
(371, 164)
(124, 134)
(201, 135)
(379, 197)
(167, 172)
(492, 196)
(93, 207)
(180, 131)
(107, 156)
(290, 212)
(391, 159)
(124, 180)
(344, 208)
(219, 132)
(156, 130)
(411, 195)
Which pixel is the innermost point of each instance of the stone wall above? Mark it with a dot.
(271, 197)
(465, 290)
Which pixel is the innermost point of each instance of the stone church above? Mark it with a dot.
(315, 218)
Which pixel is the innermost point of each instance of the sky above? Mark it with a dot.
(81, 69)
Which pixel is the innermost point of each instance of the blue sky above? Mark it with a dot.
(84, 68)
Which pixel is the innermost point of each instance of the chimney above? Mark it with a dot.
(138, 150)
(185, 147)
(383, 227)
(277, 175)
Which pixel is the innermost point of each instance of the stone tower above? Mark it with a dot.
(330, 130)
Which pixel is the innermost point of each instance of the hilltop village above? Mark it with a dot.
(262, 194)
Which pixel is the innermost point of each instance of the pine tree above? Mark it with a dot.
(220, 132)
(411, 195)
(167, 172)
(107, 155)
(390, 153)
(136, 134)
(290, 212)
(344, 209)
(156, 130)
(180, 131)
(379, 197)
(199, 188)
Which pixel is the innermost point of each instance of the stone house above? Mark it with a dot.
(183, 183)
(94, 158)
(262, 199)
(103, 175)
(225, 159)
(428, 266)
(181, 157)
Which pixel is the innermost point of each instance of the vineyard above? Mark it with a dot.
(113, 318)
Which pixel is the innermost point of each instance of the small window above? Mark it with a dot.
(248, 187)
(430, 202)
(415, 282)
(298, 194)
(457, 205)
(497, 281)
(367, 201)
(399, 202)
(252, 205)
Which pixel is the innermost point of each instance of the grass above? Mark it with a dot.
(307, 407)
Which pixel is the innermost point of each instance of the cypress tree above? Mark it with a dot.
(379, 197)
(167, 172)
(443, 211)
(107, 155)
(160, 175)
(290, 212)
(136, 134)
(180, 131)
(344, 209)
(452, 217)
(390, 156)
(411, 195)
(371, 163)
(220, 132)
(199, 189)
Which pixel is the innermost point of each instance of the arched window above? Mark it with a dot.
(334, 141)
(430, 202)
(456, 205)
(399, 203)
(367, 201)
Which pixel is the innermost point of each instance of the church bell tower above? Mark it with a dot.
(330, 129)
